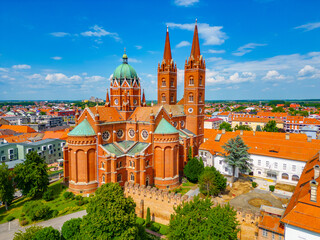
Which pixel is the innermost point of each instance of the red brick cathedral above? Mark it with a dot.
(126, 140)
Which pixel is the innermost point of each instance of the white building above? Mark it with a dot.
(277, 156)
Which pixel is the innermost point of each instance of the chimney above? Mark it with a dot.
(316, 170)
(241, 132)
(223, 131)
(309, 139)
(313, 190)
(287, 136)
(254, 133)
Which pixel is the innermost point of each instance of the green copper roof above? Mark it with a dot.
(164, 127)
(83, 129)
(137, 148)
(124, 70)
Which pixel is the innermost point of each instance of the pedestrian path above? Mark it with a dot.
(193, 192)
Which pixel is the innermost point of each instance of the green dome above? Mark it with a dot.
(124, 70)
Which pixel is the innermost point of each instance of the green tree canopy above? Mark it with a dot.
(6, 185)
(237, 155)
(271, 126)
(31, 176)
(258, 128)
(193, 169)
(71, 229)
(211, 181)
(28, 234)
(243, 127)
(226, 126)
(47, 233)
(197, 219)
(110, 215)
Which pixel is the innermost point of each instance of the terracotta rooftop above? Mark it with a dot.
(108, 114)
(271, 223)
(18, 128)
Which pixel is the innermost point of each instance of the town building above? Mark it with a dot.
(126, 140)
(301, 217)
(280, 157)
(213, 123)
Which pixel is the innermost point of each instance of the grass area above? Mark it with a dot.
(257, 202)
(58, 203)
(285, 187)
(188, 184)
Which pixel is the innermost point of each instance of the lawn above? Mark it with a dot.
(285, 187)
(185, 187)
(58, 203)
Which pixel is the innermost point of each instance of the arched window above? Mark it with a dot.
(163, 82)
(171, 98)
(147, 163)
(119, 178)
(103, 178)
(120, 164)
(102, 165)
(200, 81)
(147, 181)
(191, 81)
(200, 97)
(163, 97)
(133, 164)
(295, 178)
(171, 83)
(131, 177)
(190, 97)
(285, 176)
(130, 163)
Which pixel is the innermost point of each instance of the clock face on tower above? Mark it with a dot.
(105, 136)
(131, 133)
(116, 102)
(190, 110)
(120, 133)
(144, 134)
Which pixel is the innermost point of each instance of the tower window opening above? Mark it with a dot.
(131, 177)
(171, 98)
(190, 97)
(163, 97)
(191, 81)
(200, 81)
(163, 82)
(200, 97)
(171, 83)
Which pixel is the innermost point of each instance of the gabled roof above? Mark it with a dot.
(107, 114)
(18, 128)
(125, 148)
(165, 128)
(83, 129)
(142, 114)
(301, 211)
(176, 110)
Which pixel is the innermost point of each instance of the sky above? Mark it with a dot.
(67, 50)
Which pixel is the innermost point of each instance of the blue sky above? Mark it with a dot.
(254, 49)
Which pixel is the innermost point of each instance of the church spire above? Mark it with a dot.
(143, 99)
(107, 99)
(195, 50)
(167, 49)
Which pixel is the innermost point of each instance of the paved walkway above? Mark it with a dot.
(193, 192)
(8, 229)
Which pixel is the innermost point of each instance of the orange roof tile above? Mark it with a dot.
(271, 223)
(18, 128)
(62, 134)
(255, 119)
(143, 113)
(109, 114)
(21, 138)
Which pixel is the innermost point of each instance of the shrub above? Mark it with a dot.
(155, 227)
(36, 210)
(47, 233)
(48, 195)
(271, 188)
(71, 228)
(79, 203)
(28, 234)
(24, 222)
(140, 221)
(68, 195)
(54, 213)
(164, 230)
(254, 184)
(22, 215)
(10, 218)
(79, 197)
(148, 218)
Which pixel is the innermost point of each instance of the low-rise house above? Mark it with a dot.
(253, 122)
(280, 157)
(212, 123)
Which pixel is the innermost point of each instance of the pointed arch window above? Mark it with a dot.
(163, 82)
(171, 83)
(163, 97)
(200, 97)
(131, 177)
(119, 178)
(103, 178)
(200, 81)
(102, 165)
(191, 81)
(171, 98)
(191, 97)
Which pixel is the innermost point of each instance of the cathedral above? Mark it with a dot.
(126, 140)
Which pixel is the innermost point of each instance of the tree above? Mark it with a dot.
(198, 219)
(70, 229)
(211, 181)
(43, 113)
(148, 218)
(243, 127)
(237, 155)
(28, 234)
(6, 185)
(47, 233)
(31, 176)
(258, 128)
(226, 126)
(271, 126)
(193, 169)
(110, 215)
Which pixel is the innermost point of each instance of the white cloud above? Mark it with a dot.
(95, 79)
(215, 51)
(215, 89)
(59, 34)
(273, 75)
(183, 44)
(185, 3)
(98, 31)
(4, 69)
(131, 60)
(34, 76)
(213, 77)
(60, 78)
(138, 47)
(247, 48)
(7, 77)
(212, 35)
(308, 72)
(21, 66)
(309, 26)
(56, 58)
(213, 59)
